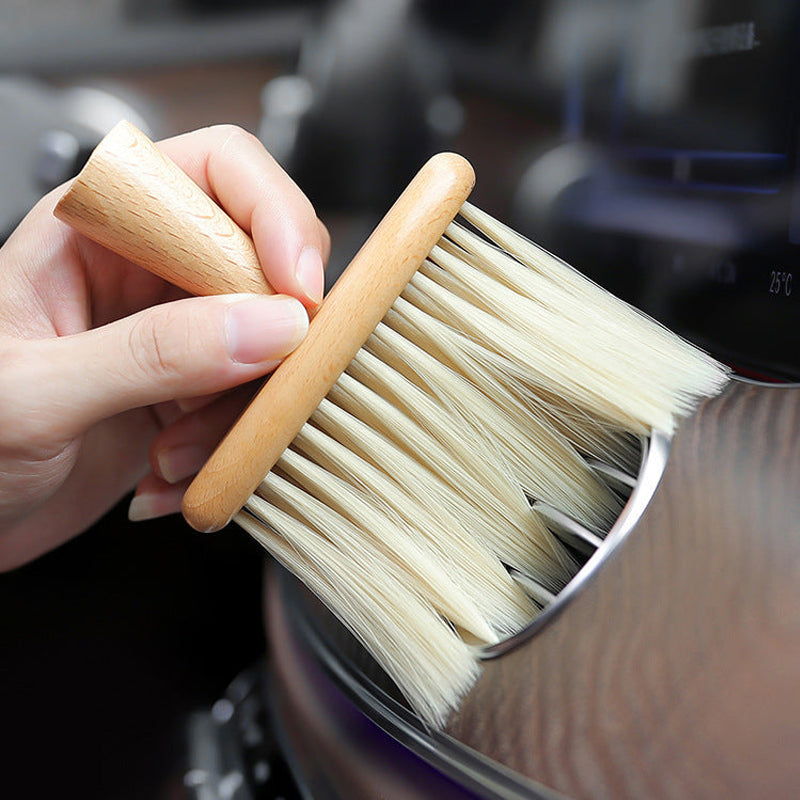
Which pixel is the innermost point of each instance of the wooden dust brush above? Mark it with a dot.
(456, 382)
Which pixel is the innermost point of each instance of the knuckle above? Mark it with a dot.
(158, 344)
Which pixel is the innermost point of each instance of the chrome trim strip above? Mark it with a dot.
(654, 461)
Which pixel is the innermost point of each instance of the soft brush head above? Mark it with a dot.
(486, 386)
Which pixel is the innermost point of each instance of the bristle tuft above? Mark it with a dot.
(612, 359)
(431, 664)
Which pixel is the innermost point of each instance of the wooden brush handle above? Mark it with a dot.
(134, 201)
(348, 315)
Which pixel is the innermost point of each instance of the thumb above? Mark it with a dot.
(182, 349)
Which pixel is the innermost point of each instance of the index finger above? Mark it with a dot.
(233, 167)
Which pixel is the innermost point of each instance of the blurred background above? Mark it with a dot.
(652, 143)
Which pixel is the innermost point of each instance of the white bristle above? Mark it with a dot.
(345, 512)
(477, 572)
(489, 372)
(430, 663)
(543, 462)
(513, 532)
(655, 361)
(405, 501)
(566, 360)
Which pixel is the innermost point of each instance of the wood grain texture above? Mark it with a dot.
(676, 673)
(346, 318)
(139, 204)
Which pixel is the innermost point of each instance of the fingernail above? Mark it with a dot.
(264, 329)
(149, 506)
(181, 462)
(311, 274)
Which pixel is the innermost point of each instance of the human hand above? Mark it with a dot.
(110, 378)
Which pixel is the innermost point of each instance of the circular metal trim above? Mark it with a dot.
(654, 461)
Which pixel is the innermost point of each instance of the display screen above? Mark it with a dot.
(689, 202)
